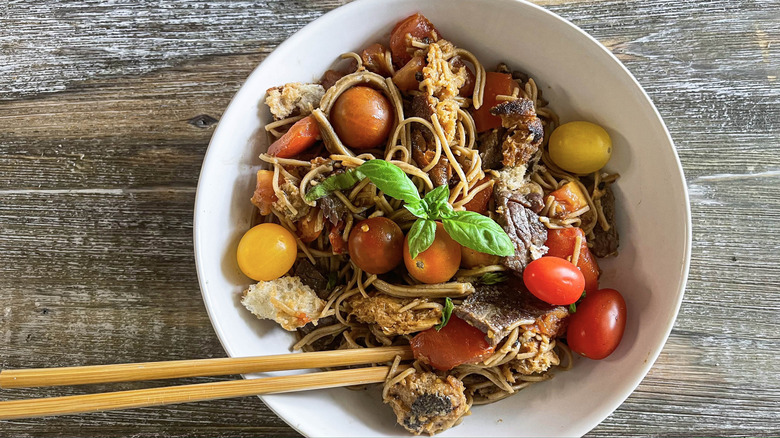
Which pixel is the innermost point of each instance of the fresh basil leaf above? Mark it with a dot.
(341, 181)
(479, 233)
(418, 209)
(446, 313)
(390, 179)
(421, 236)
(573, 307)
(436, 203)
(492, 278)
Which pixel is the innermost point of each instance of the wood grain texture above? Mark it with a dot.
(106, 109)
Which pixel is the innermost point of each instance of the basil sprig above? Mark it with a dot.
(446, 313)
(468, 228)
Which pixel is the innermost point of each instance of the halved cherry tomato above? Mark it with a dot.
(266, 252)
(456, 343)
(376, 245)
(479, 203)
(436, 264)
(336, 241)
(373, 58)
(307, 226)
(560, 243)
(298, 138)
(406, 78)
(554, 280)
(264, 195)
(597, 327)
(495, 84)
(570, 199)
(417, 26)
(362, 117)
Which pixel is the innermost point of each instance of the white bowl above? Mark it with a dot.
(582, 80)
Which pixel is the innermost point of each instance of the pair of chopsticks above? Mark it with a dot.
(108, 401)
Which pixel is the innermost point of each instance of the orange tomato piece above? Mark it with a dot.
(570, 199)
(264, 195)
(455, 344)
(406, 78)
(373, 58)
(495, 84)
(561, 243)
(415, 25)
(307, 228)
(302, 135)
(479, 203)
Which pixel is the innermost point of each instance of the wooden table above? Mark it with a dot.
(106, 109)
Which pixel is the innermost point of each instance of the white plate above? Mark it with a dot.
(582, 80)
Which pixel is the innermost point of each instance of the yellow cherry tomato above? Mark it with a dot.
(580, 147)
(266, 252)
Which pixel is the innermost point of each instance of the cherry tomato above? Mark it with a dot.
(362, 117)
(470, 258)
(436, 264)
(597, 327)
(376, 245)
(456, 343)
(554, 280)
(580, 147)
(495, 84)
(301, 136)
(417, 26)
(266, 252)
(406, 77)
(264, 195)
(560, 243)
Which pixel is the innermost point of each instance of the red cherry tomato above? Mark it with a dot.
(597, 327)
(362, 117)
(455, 344)
(554, 280)
(417, 26)
(298, 138)
(376, 245)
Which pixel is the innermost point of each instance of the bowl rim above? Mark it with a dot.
(303, 33)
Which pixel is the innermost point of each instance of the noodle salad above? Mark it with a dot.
(412, 197)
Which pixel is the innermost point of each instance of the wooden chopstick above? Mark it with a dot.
(36, 377)
(111, 401)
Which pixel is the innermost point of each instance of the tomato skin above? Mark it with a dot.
(597, 327)
(417, 26)
(570, 199)
(307, 226)
(580, 147)
(266, 252)
(470, 258)
(406, 77)
(264, 195)
(554, 280)
(362, 117)
(455, 344)
(436, 264)
(337, 242)
(495, 84)
(376, 245)
(301, 136)
(560, 243)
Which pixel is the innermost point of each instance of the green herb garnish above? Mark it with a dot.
(468, 228)
(333, 277)
(492, 278)
(446, 313)
(573, 307)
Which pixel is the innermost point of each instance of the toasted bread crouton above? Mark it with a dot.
(285, 100)
(286, 300)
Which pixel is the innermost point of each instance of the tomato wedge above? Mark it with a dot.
(457, 343)
(495, 84)
(417, 26)
(570, 199)
(561, 244)
(406, 78)
(301, 136)
(336, 241)
(479, 203)
(264, 195)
